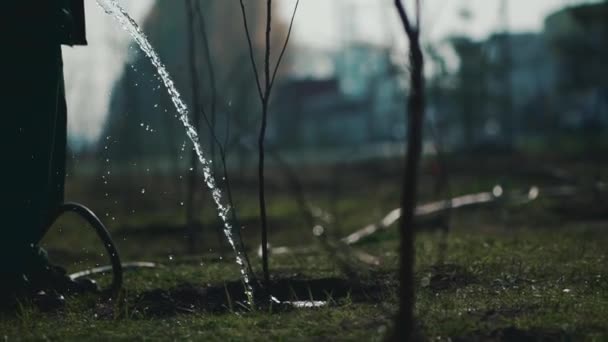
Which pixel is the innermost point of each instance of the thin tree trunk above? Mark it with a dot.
(261, 139)
(264, 94)
(262, 193)
(405, 325)
(410, 191)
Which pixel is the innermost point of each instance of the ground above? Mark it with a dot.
(535, 271)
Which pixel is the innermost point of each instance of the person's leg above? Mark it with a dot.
(55, 186)
(30, 107)
(33, 150)
(58, 161)
(39, 271)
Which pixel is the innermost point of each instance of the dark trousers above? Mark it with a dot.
(33, 127)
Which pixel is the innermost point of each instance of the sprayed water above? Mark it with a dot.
(113, 8)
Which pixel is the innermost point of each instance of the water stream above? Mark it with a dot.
(114, 9)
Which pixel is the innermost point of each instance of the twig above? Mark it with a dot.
(215, 140)
(404, 19)
(210, 70)
(267, 55)
(265, 100)
(293, 16)
(251, 51)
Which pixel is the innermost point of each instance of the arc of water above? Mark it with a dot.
(114, 9)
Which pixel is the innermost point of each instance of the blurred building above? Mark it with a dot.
(359, 101)
(578, 41)
(521, 73)
(513, 86)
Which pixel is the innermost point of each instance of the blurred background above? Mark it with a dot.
(517, 96)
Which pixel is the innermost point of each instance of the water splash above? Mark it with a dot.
(113, 8)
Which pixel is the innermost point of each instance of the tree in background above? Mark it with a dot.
(197, 113)
(139, 104)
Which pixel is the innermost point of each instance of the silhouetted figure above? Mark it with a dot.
(33, 129)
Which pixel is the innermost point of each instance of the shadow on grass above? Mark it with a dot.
(230, 296)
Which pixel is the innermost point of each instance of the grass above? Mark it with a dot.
(510, 273)
(547, 282)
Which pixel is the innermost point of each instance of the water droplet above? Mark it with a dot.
(318, 230)
(497, 191)
(114, 8)
(143, 190)
(533, 193)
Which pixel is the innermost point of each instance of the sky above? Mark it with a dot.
(325, 24)
(91, 71)
(322, 22)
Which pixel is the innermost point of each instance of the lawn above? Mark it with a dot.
(546, 283)
(510, 272)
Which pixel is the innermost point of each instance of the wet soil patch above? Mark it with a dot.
(230, 296)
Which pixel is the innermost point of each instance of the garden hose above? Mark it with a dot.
(92, 219)
(115, 266)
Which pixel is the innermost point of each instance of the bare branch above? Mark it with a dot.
(251, 51)
(267, 56)
(210, 70)
(409, 29)
(276, 68)
(418, 16)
